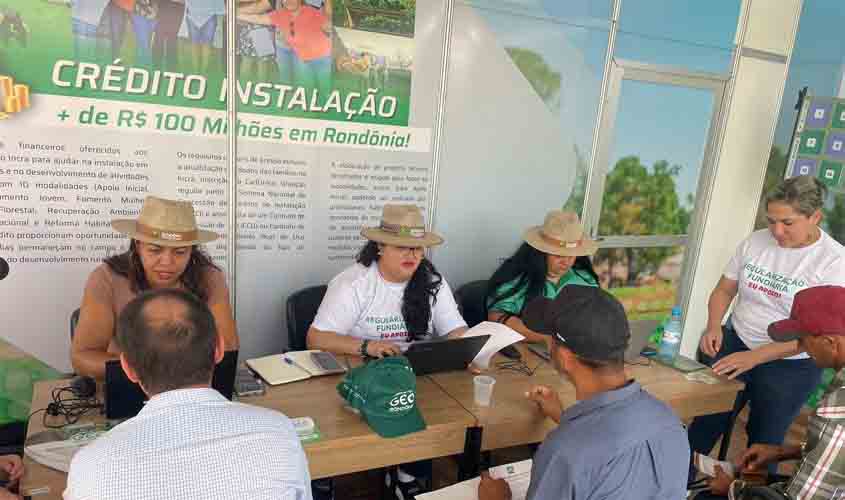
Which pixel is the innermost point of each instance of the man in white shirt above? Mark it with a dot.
(188, 442)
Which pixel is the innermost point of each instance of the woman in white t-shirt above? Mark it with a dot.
(393, 294)
(768, 269)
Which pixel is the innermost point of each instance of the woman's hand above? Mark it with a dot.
(734, 365)
(711, 341)
(382, 348)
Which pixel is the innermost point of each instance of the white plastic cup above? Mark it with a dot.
(483, 389)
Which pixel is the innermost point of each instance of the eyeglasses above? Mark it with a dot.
(518, 366)
(292, 29)
(413, 251)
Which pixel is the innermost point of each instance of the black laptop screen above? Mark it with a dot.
(125, 398)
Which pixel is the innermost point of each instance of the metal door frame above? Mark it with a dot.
(619, 71)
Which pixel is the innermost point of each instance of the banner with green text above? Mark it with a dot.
(103, 102)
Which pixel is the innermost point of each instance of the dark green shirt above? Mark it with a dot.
(514, 303)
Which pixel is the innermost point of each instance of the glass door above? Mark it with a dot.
(653, 155)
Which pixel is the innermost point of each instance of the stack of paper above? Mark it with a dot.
(518, 476)
(58, 454)
(501, 336)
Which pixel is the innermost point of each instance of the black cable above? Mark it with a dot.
(71, 408)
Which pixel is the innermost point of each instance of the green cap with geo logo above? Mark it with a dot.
(385, 392)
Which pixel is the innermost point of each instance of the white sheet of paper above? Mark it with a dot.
(707, 465)
(517, 474)
(500, 336)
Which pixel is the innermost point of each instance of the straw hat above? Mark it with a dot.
(402, 226)
(167, 223)
(561, 234)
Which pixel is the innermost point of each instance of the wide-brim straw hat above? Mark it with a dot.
(167, 223)
(402, 226)
(561, 234)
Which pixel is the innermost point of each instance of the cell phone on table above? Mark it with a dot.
(327, 362)
(246, 384)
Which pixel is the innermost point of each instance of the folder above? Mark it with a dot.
(278, 369)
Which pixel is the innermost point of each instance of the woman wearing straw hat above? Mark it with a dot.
(391, 296)
(553, 256)
(163, 252)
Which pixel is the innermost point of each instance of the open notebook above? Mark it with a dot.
(288, 367)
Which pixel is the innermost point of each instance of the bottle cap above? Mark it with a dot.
(303, 425)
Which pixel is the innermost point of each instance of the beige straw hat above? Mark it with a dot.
(402, 226)
(561, 234)
(167, 223)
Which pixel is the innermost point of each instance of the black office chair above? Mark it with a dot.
(470, 298)
(301, 309)
(74, 320)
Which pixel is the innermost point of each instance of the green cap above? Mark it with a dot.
(385, 392)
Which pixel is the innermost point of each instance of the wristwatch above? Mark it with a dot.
(364, 344)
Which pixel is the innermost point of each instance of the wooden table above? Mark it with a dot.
(454, 424)
(39, 481)
(347, 445)
(513, 420)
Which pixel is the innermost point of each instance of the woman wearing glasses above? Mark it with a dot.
(393, 294)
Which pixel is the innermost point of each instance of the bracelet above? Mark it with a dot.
(364, 345)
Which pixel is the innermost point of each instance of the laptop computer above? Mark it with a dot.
(124, 398)
(444, 355)
(641, 330)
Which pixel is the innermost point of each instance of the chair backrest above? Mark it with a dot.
(74, 320)
(301, 309)
(471, 297)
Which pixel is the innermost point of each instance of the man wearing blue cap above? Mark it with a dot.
(617, 441)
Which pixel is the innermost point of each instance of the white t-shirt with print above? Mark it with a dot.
(769, 276)
(360, 303)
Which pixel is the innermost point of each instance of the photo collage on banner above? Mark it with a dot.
(819, 141)
(103, 102)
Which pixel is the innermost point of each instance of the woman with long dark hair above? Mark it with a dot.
(163, 252)
(392, 295)
(552, 256)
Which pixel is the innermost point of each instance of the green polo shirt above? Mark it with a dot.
(514, 303)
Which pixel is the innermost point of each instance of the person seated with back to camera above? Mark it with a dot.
(551, 257)
(164, 252)
(391, 297)
(188, 442)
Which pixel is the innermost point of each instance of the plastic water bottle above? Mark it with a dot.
(670, 343)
